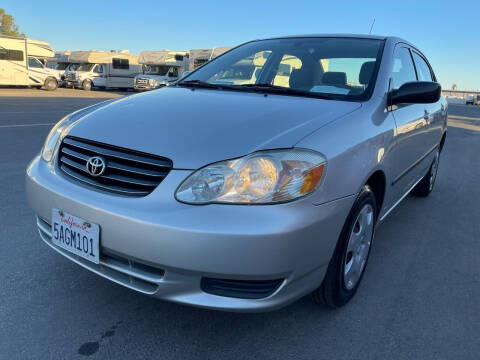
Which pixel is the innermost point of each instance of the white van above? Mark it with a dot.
(103, 69)
(162, 68)
(23, 63)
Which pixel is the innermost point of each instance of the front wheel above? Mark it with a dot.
(425, 186)
(348, 263)
(87, 85)
(51, 84)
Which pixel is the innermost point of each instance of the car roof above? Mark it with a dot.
(353, 36)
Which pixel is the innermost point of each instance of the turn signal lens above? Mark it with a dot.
(264, 177)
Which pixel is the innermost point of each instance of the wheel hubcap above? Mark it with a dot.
(358, 247)
(433, 171)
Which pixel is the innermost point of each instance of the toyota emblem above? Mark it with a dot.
(96, 166)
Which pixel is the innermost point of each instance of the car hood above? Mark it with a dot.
(195, 127)
(151, 76)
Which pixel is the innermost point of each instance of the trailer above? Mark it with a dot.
(103, 69)
(161, 68)
(23, 63)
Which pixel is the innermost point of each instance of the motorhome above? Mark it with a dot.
(198, 57)
(103, 69)
(161, 68)
(23, 63)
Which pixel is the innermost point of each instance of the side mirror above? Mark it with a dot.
(416, 92)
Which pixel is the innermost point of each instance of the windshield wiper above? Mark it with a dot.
(200, 84)
(265, 87)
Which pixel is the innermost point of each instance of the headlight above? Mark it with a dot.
(152, 82)
(54, 137)
(264, 177)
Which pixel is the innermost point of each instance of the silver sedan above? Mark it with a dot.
(258, 178)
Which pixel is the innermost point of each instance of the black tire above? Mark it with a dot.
(425, 186)
(333, 292)
(51, 84)
(87, 85)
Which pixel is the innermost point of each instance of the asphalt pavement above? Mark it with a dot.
(419, 298)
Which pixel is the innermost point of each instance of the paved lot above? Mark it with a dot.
(419, 298)
(60, 92)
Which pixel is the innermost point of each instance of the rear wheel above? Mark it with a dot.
(87, 85)
(51, 84)
(425, 186)
(348, 263)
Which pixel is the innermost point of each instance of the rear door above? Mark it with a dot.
(411, 124)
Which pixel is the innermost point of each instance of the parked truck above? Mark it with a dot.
(103, 69)
(61, 64)
(472, 99)
(23, 63)
(161, 68)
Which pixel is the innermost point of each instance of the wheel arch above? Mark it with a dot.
(377, 181)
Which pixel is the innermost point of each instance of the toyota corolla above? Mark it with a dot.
(257, 179)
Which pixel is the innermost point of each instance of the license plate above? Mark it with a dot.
(76, 235)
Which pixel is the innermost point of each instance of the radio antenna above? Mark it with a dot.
(371, 27)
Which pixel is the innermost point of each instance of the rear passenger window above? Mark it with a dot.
(423, 70)
(403, 69)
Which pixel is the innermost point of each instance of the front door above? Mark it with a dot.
(411, 124)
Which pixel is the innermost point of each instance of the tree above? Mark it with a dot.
(454, 87)
(7, 25)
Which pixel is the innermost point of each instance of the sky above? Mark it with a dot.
(447, 32)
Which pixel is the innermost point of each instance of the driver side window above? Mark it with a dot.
(403, 69)
(34, 63)
(98, 69)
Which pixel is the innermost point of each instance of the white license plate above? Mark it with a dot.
(76, 235)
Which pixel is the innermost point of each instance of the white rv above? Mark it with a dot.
(23, 63)
(103, 69)
(198, 57)
(162, 68)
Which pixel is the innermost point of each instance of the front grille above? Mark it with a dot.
(140, 81)
(127, 172)
(70, 76)
(243, 289)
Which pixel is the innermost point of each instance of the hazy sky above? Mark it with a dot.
(447, 32)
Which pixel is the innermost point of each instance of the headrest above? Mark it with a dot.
(366, 72)
(334, 78)
(301, 79)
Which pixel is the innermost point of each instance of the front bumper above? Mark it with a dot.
(72, 83)
(164, 248)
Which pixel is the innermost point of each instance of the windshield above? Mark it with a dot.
(343, 68)
(73, 67)
(161, 70)
(62, 66)
(85, 67)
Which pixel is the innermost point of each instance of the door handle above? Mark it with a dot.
(427, 116)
